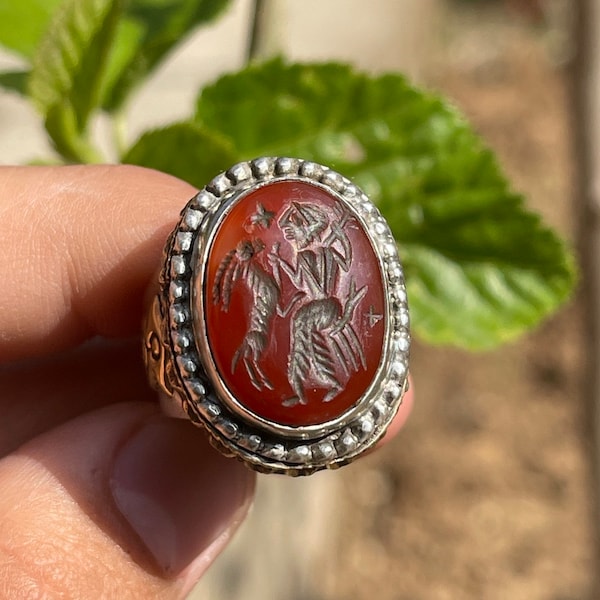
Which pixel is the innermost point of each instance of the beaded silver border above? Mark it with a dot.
(267, 446)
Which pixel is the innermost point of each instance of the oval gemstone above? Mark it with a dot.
(294, 304)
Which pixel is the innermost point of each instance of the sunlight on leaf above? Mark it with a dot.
(184, 150)
(160, 26)
(23, 22)
(69, 63)
(480, 268)
(68, 71)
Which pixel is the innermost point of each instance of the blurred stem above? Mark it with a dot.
(119, 129)
(586, 121)
(69, 141)
(266, 34)
(255, 32)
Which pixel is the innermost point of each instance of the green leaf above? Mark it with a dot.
(272, 107)
(159, 25)
(14, 81)
(69, 65)
(126, 45)
(480, 268)
(481, 294)
(22, 23)
(61, 125)
(183, 150)
(69, 70)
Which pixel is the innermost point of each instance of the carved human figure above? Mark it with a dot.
(322, 339)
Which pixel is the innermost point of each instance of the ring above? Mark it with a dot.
(281, 321)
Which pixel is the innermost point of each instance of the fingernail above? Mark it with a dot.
(178, 494)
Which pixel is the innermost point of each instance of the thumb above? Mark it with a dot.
(118, 503)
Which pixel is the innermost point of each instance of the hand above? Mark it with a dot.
(102, 497)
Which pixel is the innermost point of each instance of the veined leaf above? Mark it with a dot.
(22, 23)
(160, 26)
(69, 64)
(184, 150)
(480, 268)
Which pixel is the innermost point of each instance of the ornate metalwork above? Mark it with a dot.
(304, 285)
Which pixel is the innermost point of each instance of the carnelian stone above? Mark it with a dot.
(294, 304)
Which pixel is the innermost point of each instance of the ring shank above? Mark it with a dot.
(159, 362)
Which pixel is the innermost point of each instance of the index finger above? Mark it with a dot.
(78, 247)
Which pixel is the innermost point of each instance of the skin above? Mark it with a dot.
(102, 497)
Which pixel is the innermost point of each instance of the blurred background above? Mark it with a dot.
(489, 492)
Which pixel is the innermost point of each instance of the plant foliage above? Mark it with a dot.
(481, 269)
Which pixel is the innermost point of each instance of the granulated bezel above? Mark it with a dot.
(268, 445)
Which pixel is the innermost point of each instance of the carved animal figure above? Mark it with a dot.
(240, 264)
(324, 348)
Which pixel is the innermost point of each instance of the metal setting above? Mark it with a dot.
(181, 361)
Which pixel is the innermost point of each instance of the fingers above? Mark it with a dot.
(119, 503)
(78, 248)
(38, 394)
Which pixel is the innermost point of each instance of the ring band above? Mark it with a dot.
(281, 321)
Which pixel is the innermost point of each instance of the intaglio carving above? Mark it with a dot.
(324, 348)
(281, 323)
(293, 304)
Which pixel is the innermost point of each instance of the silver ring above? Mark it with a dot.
(281, 321)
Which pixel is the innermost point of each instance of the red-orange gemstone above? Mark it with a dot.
(294, 304)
